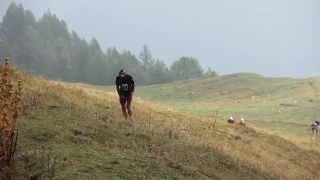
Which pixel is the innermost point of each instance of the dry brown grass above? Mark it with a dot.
(266, 153)
(246, 146)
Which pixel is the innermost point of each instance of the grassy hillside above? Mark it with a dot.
(285, 106)
(72, 131)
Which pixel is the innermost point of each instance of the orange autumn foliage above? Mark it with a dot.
(10, 97)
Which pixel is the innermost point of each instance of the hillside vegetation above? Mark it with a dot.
(284, 105)
(73, 131)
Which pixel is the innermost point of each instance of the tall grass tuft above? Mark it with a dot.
(10, 97)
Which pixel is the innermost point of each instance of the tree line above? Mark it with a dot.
(46, 47)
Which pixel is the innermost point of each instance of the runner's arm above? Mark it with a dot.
(117, 85)
(133, 85)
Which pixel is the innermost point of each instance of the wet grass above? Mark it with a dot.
(83, 131)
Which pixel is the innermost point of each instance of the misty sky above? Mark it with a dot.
(270, 37)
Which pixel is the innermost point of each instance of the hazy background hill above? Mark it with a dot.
(286, 106)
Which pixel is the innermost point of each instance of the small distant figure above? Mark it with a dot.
(231, 120)
(315, 127)
(125, 88)
(242, 122)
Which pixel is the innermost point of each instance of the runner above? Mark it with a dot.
(125, 88)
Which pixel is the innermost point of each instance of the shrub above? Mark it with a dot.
(10, 96)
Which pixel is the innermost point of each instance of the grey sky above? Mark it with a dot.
(270, 37)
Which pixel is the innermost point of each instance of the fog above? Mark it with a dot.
(271, 37)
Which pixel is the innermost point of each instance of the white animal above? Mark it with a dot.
(242, 122)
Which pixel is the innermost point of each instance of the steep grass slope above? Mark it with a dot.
(71, 131)
(286, 106)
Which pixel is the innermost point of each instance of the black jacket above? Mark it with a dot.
(125, 84)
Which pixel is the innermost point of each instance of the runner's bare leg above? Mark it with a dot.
(123, 107)
(129, 100)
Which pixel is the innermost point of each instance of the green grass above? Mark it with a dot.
(285, 106)
(118, 151)
(82, 129)
(95, 151)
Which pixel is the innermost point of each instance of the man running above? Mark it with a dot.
(125, 88)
